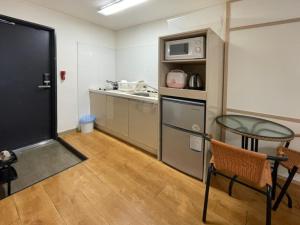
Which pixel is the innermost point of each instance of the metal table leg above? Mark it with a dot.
(252, 144)
(274, 179)
(243, 142)
(246, 142)
(256, 145)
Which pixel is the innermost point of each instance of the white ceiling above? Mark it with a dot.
(149, 11)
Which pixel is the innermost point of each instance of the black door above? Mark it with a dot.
(27, 84)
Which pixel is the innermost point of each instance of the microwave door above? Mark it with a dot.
(179, 49)
(191, 48)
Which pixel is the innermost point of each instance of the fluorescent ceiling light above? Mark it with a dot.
(118, 6)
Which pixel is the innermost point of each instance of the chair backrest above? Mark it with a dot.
(293, 157)
(246, 164)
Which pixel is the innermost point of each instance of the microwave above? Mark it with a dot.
(191, 48)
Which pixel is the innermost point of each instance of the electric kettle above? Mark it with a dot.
(195, 82)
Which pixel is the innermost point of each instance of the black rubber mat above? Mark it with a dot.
(38, 163)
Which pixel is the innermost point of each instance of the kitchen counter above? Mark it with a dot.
(116, 93)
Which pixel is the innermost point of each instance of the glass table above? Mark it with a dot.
(255, 129)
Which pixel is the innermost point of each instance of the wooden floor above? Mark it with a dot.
(119, 185)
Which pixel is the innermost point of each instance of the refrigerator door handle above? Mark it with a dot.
(187, 131)
(195, 150)
(196, 143)
(183, 101)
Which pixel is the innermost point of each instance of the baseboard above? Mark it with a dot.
(67, 132)
(149, 151)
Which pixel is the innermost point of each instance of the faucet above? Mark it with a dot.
(114, 84)
(153, 88)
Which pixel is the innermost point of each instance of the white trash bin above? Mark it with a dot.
(87, 123)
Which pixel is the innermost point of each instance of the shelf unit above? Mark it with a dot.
(183, 93)
(211, 71)
(189, 65)
(203, 61)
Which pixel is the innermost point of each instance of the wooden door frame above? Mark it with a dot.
(53, 90)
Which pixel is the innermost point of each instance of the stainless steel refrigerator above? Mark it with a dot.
(182, 146)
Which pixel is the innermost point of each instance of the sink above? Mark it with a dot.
(144, 94)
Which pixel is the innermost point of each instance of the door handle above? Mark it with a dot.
(44, 86)
(46, 81)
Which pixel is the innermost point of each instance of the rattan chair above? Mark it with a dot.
(293, 167)
(251, 166)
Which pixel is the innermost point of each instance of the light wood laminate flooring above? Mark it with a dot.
(120, 185)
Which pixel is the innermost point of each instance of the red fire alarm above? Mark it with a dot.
(62, 75)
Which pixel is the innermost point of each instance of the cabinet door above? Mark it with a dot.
(143, 123)
(117, 115)
(98, 107)
(178, 151)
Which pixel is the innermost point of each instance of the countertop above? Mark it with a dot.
(126, 95)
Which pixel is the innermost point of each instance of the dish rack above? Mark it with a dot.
(131, 87)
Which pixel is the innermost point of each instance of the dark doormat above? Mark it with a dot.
(40, 162)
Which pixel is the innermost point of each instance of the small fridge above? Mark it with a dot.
(182, 146)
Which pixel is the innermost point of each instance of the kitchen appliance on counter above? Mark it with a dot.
(113, 84)
(127, 86)
(176, 79)
(133, 86)
(183, 122)
(195, 82)
(190, 48)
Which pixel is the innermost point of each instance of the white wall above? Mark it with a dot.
(264, 69)
(69, 31)
(136, 54)
(96, 64)
(137, 47)
(248, 12)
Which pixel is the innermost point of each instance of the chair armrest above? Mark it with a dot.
(277, 158)
(207, 137)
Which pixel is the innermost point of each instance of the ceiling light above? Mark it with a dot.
(119, 5)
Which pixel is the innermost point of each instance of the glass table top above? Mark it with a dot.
(254, 127)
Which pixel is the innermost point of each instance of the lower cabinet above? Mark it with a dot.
(131, 120)
(117, 115)
(98, 108)
(143, 123)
